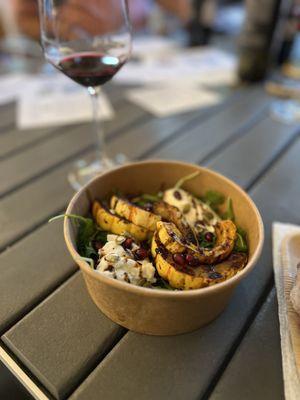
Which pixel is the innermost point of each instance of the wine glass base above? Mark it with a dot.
(85, 170)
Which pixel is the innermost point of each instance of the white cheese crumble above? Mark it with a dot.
(197, 214)
(118, 263)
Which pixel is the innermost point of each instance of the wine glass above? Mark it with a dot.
(89, 41)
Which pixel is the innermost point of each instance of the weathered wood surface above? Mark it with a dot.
(40, 320)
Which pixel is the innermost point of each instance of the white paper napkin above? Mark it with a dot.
(290, 375)
(166, 101)
(177, 65)
(56, 100)
(11, 86)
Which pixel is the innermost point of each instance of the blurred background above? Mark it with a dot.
(261, 37)
(263, 34)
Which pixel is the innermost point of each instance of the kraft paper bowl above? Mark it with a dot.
(155, 311)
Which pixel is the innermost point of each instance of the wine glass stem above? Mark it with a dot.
(98, 129)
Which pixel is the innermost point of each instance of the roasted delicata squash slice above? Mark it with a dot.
(172, 214)
(119, 226)
(175, 242)
(171, 237)
(226, 235)
(134, 214)
(185, 277)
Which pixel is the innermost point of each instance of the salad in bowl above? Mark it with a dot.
(162, 244)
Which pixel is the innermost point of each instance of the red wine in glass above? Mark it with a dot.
(90, 69)
(89, 45)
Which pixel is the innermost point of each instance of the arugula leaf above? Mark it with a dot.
(117, 192)
(241, 245)
(100, 236)
(152, 198)
(185, 179)
(87, 250)
(88, 232)
(162, 284)
(140, 203)
(144, 199)
(229, 214)
(213, 198)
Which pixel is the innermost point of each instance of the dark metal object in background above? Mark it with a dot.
(200, 28)
(290, 19)
(266, 39)
(256, 39)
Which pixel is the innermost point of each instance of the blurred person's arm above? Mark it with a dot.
(1, 30)
(82, 12)
(79, 14)
(26, 15)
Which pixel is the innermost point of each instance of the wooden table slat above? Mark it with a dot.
(76, 336)
(179, 367)
(31, 270)
(13, 140)
(39, 158)
(247, 157)
(255, 370)
(19, 169)
(158, 132)
(202, 140)
(28, 207)
(7, 117)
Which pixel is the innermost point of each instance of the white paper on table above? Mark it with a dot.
(209, 66)
(55, 100)
(207, 58)
(152, 46)
(220, 77)
(167, 100)
(11, 86)
(290, 376)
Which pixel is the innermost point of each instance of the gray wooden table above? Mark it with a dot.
(53, 337)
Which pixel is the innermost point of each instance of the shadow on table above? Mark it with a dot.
(10, 387)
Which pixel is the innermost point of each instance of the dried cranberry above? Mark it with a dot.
(209, 237)
(177, 195)
(127, 243)
(179, 259)
(191, 260)
(141, 254)
(148, 207)
(188, 258)
(97, 245)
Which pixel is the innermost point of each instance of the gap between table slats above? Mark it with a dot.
(16, 230)
(263, 293)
